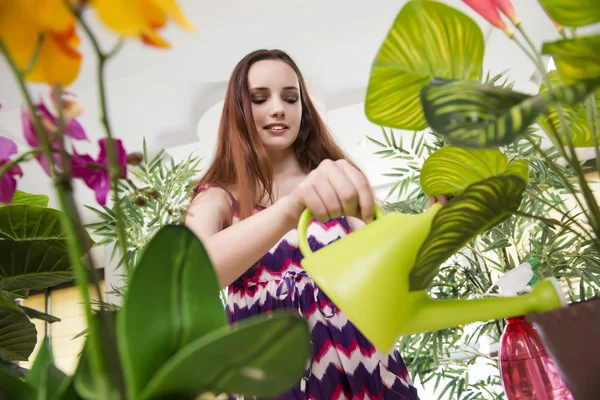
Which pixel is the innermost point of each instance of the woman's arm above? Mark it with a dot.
(333, 189)
(236, 248)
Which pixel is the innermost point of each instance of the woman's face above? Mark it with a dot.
(276, 103)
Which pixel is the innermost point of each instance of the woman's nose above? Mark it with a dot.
(277, 111)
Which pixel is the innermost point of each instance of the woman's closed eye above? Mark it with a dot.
(291, 100)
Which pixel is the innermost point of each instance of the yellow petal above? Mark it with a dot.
(154, 14)
(171, 8)
(153, 39)
(58, 60)
(18, 31)
(52, 15)
(126, 17)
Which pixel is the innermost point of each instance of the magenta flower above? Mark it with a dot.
(73, 129)
(95, 172)
(8, 183)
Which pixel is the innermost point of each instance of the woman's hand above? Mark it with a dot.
(334, 189)
(442, 199)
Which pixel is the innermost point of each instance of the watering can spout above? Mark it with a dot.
(367, 276)
(427, 314)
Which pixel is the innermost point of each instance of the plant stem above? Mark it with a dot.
(524, 49)
(547, 221)
(28, 155)
(64, 193)
(34, 58)
(560, 174)
(570, 219)
(592, 114)
(592, 206)
(107, 328)
(39, 128)
(489, 276)
(111, 150)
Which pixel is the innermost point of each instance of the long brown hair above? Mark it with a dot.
(240, 159)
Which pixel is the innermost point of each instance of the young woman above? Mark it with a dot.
(274, 158)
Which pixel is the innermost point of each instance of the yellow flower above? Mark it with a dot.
(140, 18)
(22, 22)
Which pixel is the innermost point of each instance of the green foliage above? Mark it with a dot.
(482, 205)
(21, 197)
(573, 12)
(413, 153)
(439, 357)
(575, 117)
(17, 334)
(470, 114)
(33, 256)
(449, 45)
(156, 196)
(165, 350)
(182, 290)
(577, 59)
(449, 170)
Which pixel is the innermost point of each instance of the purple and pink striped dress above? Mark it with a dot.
(344, 364)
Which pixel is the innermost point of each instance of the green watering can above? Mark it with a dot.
(366, 275)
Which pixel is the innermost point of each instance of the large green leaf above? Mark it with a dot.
(427, 40)
(172, 300)
(470, 114)
(35, 314)
(18, 335)
(263, 357)
(575, 118)
(576, 59)
(32, 223)
(481, 206)
(32, 265)
(12, 387)
(40, 200)
(33, 247)
(573, 12)
(450, 170)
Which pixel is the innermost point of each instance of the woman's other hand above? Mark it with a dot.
(442, 199)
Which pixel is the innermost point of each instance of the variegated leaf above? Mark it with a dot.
(573, 12)
(427, 40)
(481, 206)
(576, 59)
(449, 170)
(470, 114)
(575, 118)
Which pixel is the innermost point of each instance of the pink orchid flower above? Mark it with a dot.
(95, 172)
(73, 130)
(487, 9)
(8, 183)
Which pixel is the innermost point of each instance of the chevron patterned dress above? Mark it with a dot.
(344, 365)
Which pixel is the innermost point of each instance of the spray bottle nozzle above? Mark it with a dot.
(518, 279)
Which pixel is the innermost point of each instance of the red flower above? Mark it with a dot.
(507, 9)
(487, 9)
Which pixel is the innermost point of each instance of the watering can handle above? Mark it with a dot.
(303, 229)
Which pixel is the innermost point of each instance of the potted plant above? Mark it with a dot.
(427, 74)
(170, 338)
